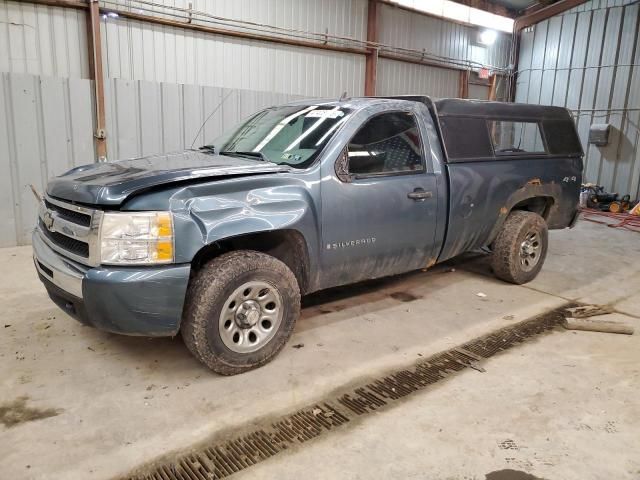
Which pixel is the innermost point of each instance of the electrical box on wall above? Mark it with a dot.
(599, 134)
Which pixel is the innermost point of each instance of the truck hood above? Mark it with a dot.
(111, 183)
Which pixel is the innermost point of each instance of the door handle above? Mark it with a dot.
(419, 194)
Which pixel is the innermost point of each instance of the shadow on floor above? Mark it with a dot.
(509, 474)
(365, 297)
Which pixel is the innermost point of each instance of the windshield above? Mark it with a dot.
(289, 135)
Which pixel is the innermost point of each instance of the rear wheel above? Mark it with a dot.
(240, 312)
(520, 248)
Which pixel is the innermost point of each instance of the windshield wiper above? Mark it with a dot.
(258, 155)
(208, 148)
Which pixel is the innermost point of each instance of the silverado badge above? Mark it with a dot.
(351, 243)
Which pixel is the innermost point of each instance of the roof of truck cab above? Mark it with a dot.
(349, 102)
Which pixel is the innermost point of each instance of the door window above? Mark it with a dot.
(387, 144)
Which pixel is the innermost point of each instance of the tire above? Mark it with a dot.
(223, 341)
(520, 248)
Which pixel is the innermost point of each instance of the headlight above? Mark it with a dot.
(136, 238)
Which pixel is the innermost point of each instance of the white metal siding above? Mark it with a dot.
(143, 51)
(479, 92)
(396, 78)
(344, 18)
(43, 40)
(45, 129)
(145, 118)
(405, 29)
(588, 60)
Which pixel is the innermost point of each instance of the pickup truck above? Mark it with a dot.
(219, 243)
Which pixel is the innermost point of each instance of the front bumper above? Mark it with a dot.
(127, 300)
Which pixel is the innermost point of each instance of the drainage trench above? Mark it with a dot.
(223, 457)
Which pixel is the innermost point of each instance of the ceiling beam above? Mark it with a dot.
(537, 16)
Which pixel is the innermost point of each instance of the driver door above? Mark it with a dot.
(379, 201)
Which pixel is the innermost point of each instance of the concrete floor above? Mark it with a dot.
(564, 406)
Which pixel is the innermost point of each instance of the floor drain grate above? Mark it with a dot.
(224, 457)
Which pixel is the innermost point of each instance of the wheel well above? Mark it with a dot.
(288, 246)
(540, 205)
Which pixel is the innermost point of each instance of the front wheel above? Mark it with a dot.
(240, 312)
(520, 248)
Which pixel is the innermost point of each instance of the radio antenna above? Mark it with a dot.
(211, 115)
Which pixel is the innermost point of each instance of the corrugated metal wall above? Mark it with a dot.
(142, 51)
(405, 29)
(478, 92)
(345, 18)
(588, 60)
(46, 128)
(396, 78)
(149, 117)
(162, 81)
(43, 40)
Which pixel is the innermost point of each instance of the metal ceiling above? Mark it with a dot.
(509, 8)
(515, 4)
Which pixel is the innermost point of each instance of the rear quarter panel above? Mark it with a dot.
(482, 194)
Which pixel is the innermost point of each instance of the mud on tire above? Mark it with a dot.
(210, 335)
(520, 248)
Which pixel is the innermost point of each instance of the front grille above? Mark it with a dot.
(70, 215)
(72, 245)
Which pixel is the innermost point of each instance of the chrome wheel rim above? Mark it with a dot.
(530, 250)
(250, 317)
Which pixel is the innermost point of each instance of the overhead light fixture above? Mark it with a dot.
(488, 37)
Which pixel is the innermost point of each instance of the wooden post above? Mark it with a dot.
(463, 87)
(492, 87)
(597, 325)
(95, 67)
(513, 77)
(371, 62)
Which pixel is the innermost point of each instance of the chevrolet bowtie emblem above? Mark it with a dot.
(47, 219)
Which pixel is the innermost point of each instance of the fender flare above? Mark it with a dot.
(532, 189)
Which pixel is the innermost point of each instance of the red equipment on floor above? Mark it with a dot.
(621, 220)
